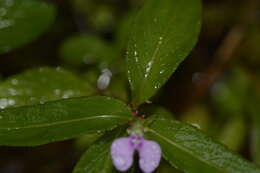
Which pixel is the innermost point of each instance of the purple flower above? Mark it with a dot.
(122, 152)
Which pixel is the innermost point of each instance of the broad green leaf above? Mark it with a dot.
(163, 34)
(97, 157)
(60, 120)
(41, 85)
(86, 49)
(188, 149)
(23, 21)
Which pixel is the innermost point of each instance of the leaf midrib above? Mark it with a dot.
(65, 122)
(154, 55)
(185, 150)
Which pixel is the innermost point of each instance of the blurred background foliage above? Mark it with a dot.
(217, 88)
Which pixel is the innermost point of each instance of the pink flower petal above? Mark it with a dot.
(122, 153)
(149, 156)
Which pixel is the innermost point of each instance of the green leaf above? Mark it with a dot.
(23, 21)
(86, 49)
(164, 32)
(188, 149)
(97, 158)
(60, 120)
(41, 85)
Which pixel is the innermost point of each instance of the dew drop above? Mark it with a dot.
(11, 102)
(162, 71)
(148, 68)
(6, 23)
(136, 59)
(6, 102)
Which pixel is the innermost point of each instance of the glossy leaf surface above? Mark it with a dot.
(41, 85)
(188, 149)
(60, 120)
(23, 21)
(163, 34)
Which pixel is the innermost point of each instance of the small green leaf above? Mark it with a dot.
(86, 49)
(23, 21)
(97, 158)
(41, 85)
(164, 32)
(60, 120)
(188, 149)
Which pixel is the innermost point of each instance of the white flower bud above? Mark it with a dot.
(104, 79)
